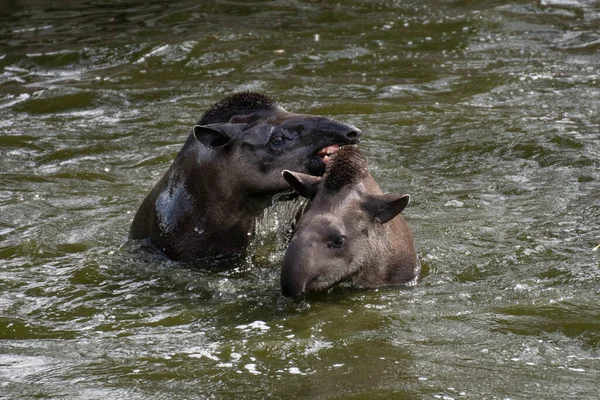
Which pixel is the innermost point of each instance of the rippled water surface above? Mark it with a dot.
(487, 113)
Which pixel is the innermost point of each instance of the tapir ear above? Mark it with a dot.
(215, 136)
(385, 207)
(305, 185)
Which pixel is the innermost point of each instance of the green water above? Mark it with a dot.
(487, 113)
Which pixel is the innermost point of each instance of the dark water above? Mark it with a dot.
(487, 113)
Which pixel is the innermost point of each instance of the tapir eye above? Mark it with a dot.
(277, 139)
(338, 242)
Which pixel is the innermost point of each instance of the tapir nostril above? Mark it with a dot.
(352, 135)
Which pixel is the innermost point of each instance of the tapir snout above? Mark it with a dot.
(294, 271)
(349, 132)
(315, 129)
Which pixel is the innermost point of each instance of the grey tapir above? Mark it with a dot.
(229, 170)
(350, 230)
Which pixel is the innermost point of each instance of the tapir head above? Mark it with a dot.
(254, 139)
(342, 229)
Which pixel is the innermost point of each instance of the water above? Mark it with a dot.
(485, 112)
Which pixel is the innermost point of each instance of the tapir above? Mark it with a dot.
(350, 230)
(229, 170)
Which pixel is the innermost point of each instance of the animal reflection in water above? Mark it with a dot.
(350, 230)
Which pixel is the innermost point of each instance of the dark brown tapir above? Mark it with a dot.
(228, 171)
(350, 231)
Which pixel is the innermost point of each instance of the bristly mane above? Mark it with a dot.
(347, 166)
(237, 104)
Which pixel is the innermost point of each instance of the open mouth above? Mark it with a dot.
(326, 152)
(321, 158)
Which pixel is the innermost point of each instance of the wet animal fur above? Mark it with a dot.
(237, 104)
(346, 167)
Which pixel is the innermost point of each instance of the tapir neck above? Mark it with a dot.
(196, 217)
(223, 213)
(226, 202)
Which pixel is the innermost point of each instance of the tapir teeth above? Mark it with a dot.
(329, 150)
